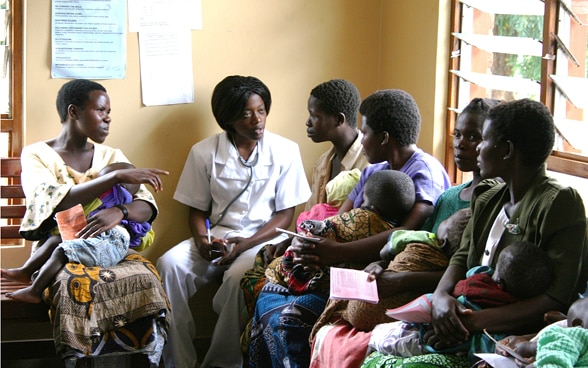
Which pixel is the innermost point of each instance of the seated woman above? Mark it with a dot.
(467, 134)
(245, 181)
(523, 270)
(333, 107)
(106, 249)
(63, 172)
(391, 124)
(518, 137)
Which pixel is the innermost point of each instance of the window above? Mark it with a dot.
(11, 76)
(526, 48)
(11, 88)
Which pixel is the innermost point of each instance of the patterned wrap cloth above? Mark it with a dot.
(97, 311)
(284, 316)
(358, 223)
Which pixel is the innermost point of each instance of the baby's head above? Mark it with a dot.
(390, 193)
(451, 229)
(132, 188)
(523, 269)
(578, 313)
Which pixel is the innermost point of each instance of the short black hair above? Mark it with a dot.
(392, 192)
(75, 92)
(338, 96)
(230, 97)
(526, 271)
(394, 111)
(528, 125)
(480, 106)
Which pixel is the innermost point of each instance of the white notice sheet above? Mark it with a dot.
(145, 14)
(166, 66)
(88, 39)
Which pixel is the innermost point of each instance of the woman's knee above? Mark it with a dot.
(171, 261)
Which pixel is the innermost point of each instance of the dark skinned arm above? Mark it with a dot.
(453, 323)
(197, 223)
(86, 192)
(391, 283)
(327, 252)
(346, 206)
(138, 210)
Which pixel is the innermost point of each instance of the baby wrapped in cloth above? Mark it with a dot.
(388, 197)
(406, 251)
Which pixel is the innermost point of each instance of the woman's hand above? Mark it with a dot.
(448, 329)
(213, 250)
(234, 247)
(274, 251)
(522, 346)
(100, 222)
(141, 176)
(305, 254)
(375, 269)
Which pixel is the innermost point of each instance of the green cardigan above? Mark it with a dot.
(549, 215)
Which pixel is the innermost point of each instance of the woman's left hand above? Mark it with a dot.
(100, 222)
(305, 254)
(236, 246)
(142, 176)
(374, 270)
(448, 329)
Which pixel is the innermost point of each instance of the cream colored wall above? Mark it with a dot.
(291, 45)
(414, 46)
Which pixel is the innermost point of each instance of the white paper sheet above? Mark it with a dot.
(146, 14)
(166, 66)
(88, 39)
(497, 361)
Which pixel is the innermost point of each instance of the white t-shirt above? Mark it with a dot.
(213, 176)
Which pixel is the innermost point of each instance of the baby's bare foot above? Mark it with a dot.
(15, 274)
(25, 295)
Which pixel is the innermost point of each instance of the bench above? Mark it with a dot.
(25, 326)
(12, 211)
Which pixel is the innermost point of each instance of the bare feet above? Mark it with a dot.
(15, 274)
(25, 295)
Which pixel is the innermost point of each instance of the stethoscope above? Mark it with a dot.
(250, 166)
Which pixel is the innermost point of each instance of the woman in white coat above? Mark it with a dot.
(241, 184)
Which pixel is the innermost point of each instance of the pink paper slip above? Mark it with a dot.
(353, 285)
(416, 311)
(70, 221)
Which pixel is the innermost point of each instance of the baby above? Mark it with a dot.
(388, 197)
(563, 343)
(523, 270)
(408, 251)
(565, 347)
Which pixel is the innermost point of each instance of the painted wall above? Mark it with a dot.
(292, 45)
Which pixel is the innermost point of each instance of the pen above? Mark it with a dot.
(208, 230)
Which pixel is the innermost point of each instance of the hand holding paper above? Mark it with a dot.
(352, 284)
